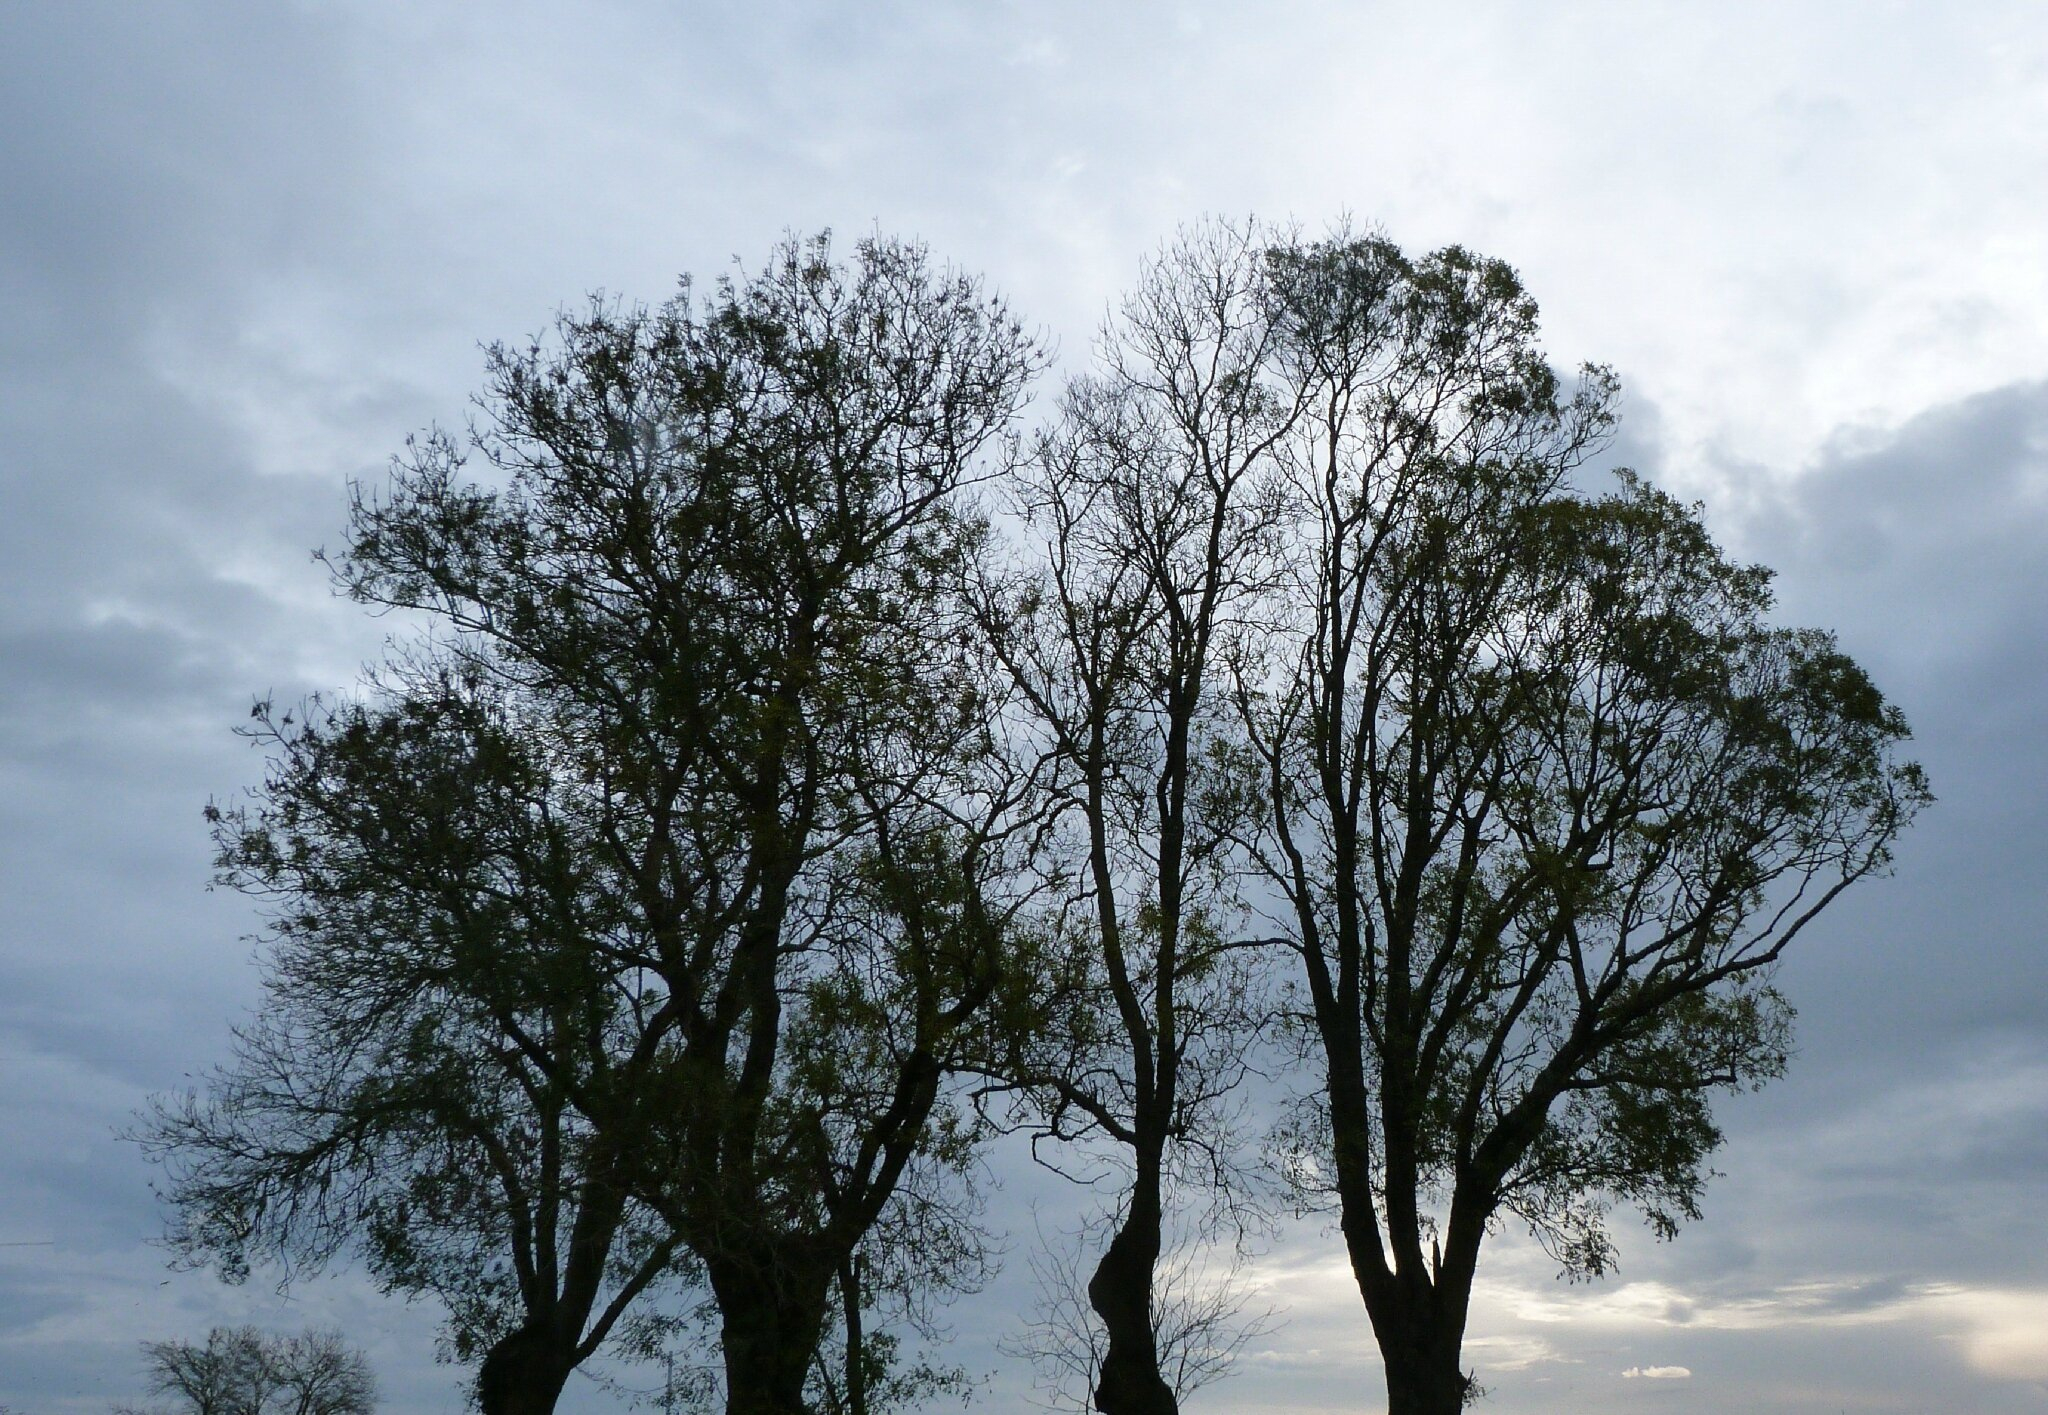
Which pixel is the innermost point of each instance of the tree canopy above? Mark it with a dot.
(793, 753)
(661, 881)
(431, 1005)
(246, 1371)
(1546, 793)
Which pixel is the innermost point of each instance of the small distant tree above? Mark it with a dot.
(245, 1371)
(318, 1375)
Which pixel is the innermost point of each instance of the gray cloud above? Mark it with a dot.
(1928, 550)
(246, 247)
(1907, 1147)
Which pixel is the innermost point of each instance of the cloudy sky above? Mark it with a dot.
(246, 249)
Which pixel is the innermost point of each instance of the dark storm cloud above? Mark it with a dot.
(1931, 544)
(1928, 551)
(1905, 1152)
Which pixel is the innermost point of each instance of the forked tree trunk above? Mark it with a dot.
(523, 1374)
(1121, 1294)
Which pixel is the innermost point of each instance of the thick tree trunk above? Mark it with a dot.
(1420, 1348)
(523, 1374)
(764, 1372)
(1425, 1383)
(1121, 1293)
(771, 1324)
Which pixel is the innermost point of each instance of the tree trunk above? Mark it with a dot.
(856, 1358)
(766, 1363)
(1121, 1294)
(523, 1374)
(771, 1324)
(1420, 1350)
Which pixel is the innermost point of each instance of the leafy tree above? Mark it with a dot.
(244, 1371)
(1545, 792)
(1149, 513)
(430, 1001)
(884, 1293)
(678, 829)
(861, 1370)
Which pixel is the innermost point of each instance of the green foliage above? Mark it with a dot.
(624, 929)
(1548, 791)
(744, 787)
(432, 1002)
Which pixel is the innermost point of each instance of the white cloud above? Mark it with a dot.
(1510, 1353)
(2003, 1333)
(2000, 1332)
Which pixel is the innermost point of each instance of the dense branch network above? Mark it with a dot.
(759, 816)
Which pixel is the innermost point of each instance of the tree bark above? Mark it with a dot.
(1121, 1294)
(856, 1359)
(771, 1322)
(523, 1374)
(1426, 1382)
(1421, 1329)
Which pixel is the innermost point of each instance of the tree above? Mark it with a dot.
(430, 999)
(244, 1371)
(861, 1370)
(317, 1375)
(702, 831)
(885, 1291)
(1152, 508)
(1545, 792)
(1202, 1319)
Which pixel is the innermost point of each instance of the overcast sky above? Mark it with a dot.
(246, 249)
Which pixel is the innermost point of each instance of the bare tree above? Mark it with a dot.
(317, 1375)
(245, 1371)
(1149, 511)
(1204, 1315)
